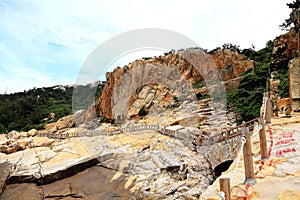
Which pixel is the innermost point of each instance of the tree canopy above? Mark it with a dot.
(246, 100)
(288, 22)
(23, 111)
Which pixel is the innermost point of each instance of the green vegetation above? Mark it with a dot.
(283, 76)
(23, 111)
(246, 100)
(32, 109)
(288, 22)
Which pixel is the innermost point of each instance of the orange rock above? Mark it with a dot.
(64, 122)
(230, 64)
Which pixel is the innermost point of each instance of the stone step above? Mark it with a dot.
(203, 110)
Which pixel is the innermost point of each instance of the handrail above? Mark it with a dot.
(219, 137)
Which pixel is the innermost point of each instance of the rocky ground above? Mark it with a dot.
(139, 165)
(277, 177)
(142, 164)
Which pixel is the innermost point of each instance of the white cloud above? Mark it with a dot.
(54, 37)
(13, 78)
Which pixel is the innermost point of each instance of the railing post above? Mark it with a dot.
(269, 108)
(227, 134)
(225, 187)
(262, 140)
(248, 160)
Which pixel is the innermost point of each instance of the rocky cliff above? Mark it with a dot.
(284, 68)
(172, 71)
(285, 49)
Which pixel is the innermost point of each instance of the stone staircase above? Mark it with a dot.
(216, 116)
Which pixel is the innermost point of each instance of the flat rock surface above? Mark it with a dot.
(92, 183)
(144, 164)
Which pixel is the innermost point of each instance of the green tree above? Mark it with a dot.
(288, 22)
(26, 110)
(246, 100)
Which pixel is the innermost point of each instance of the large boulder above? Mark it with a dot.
(64, 122)
(172, 71)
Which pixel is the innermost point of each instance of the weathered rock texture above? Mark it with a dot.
(142, 164)
(5, 172)
(231, 65)
(218, 153)
(92, 183)
(294, 78)
(285, 49)
(64, 122)
(122, 83)
(285, 58)
(151, 96)
(176, 71)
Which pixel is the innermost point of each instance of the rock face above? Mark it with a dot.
(121, 86)
(231, 65)
(172, 71)
(285, 57)
(221, 152)
(294, 78)
(294, 17)
(152, 97)
(285, 49)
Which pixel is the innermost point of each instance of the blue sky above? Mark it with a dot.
(45, 42)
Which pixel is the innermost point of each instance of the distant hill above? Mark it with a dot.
(23, 111)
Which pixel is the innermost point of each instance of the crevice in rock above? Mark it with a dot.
(125, 170)
(76, 196)
(50, 178)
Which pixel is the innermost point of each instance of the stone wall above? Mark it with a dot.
(294, 77)
(220, 152)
